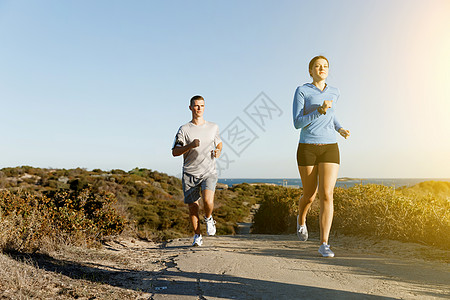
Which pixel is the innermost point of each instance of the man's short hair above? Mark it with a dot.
(196, 97)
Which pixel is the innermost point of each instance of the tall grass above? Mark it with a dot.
(382, 211)
(371, 210)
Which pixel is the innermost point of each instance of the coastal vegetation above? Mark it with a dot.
(44, 213)
(420, 213)
(42, 208)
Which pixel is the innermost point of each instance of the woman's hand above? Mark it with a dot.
(325, 105)
(345, 133)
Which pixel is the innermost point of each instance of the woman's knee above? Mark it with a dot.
(309, 198)
(326, 195)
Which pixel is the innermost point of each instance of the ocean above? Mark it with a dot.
(342, 182)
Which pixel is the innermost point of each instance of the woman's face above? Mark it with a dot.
(319, 70)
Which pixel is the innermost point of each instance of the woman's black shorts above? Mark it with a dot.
(313, 154)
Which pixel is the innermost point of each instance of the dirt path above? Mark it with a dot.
(242, 267)
(280, 267)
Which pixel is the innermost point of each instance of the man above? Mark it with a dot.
(199, 143)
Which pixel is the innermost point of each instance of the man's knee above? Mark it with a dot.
(208, 195)
(193, 206)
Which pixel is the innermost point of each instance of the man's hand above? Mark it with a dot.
(195, 143)
(345, 133)
(216, 153)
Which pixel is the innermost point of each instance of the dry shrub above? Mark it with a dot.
(372, 210)
(382, 211)
(29, 223)
(22, 225)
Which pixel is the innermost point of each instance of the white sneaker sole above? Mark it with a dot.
(326, 254)
(300, 237)
(211, 229)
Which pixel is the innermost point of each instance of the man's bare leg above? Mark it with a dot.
(194, 209)
(208, 202)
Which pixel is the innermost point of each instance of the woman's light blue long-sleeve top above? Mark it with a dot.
(315, 128)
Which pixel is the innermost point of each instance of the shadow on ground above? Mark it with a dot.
(170, 280)
(183, 283)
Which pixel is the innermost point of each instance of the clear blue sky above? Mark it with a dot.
(106, 84)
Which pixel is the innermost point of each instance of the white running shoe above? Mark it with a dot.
(210, 225)
(325, 250)
(302, 231)
(198, 241)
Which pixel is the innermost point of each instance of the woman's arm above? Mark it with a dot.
(301, 120)
(337, 125)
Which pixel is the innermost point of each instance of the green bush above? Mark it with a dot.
(159, 219)
(278, 211)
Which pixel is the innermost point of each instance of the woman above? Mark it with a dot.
(317, 153)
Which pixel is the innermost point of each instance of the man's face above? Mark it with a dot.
(197, 108)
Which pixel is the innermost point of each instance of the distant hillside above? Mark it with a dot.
(435, 188)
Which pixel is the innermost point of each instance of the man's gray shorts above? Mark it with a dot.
(192, 185)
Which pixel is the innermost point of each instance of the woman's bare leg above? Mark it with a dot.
(308, 174)
(327, 179)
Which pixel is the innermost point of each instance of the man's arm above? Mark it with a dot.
(180, 150)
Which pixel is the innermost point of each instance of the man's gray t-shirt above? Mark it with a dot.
(198, 161)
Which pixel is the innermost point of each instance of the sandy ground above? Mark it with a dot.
(281, 267)
(248, 267)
